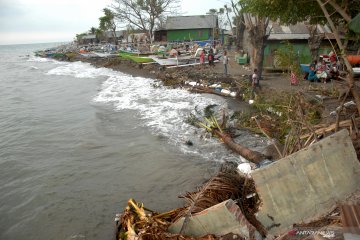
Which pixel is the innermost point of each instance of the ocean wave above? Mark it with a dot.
(162, 110)
(40, 59)
(79, 70)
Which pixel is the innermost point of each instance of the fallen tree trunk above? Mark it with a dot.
(199, 89)
(250, 155)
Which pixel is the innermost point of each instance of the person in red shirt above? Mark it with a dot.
(211, 58)
(332, 57)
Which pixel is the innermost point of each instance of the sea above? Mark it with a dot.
(76, 142)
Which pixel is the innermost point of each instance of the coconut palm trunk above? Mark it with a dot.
(250, 155)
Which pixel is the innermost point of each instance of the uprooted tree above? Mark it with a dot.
(209, 122)
(334, 12)
(143, 14)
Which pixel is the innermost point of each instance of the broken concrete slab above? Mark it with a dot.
(306, 184)
(221, 219)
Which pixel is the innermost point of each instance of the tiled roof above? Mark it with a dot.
(291, 32)
(191, 22)
(282, 32)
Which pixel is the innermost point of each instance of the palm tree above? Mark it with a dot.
(92, 30)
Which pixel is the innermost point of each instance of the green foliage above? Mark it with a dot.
(276, 109)
(287, 11)
(294, 11)
(191, 119)
(136, 58)
(71, 55)
(107, 21)
(313, 116)
(354, 25)
(92, 30)
(99, 33)
(246, 90)
(209, 110)
(200, 115)
(80, 36)
(287, 58)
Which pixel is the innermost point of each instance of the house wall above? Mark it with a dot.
(160, 36)
(301, 47)
(188, 34)
(88, 41)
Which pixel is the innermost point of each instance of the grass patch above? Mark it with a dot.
(136, 58)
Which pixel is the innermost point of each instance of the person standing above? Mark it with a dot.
(211, 58)
(202, 57)
(293, 78)
(225, 62)
(255, 83)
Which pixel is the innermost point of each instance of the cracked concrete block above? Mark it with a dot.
(306, 184)
(221, 219)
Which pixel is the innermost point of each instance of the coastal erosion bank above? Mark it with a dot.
(264, 226)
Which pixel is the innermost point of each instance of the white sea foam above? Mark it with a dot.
(40, 59)
(163, 110)
(79, 70)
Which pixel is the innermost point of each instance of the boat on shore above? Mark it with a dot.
(172, 61)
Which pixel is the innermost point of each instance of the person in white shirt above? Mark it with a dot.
(255, 83)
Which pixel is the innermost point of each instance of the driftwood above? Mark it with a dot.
(332, 127)
(250, 155)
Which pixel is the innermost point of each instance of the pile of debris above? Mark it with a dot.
(311, 194)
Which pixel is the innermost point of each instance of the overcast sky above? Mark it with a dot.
(34, 21)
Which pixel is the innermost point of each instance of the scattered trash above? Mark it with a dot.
(320, 97)
(251, 195)
(272, 110)
(348, 104)
(244, 168)
(225, 91)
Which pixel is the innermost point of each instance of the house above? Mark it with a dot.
(297, 35)
(88, 39)
(160, 35)
(108, 37)
(187, 28)
(136, 36)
